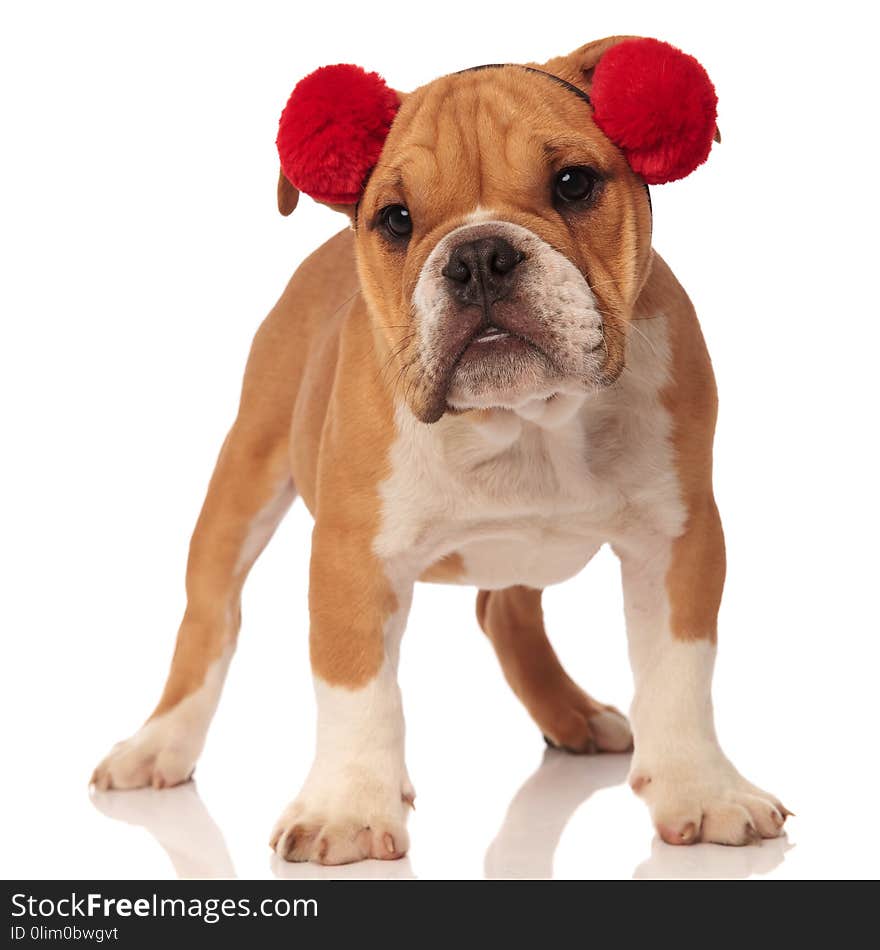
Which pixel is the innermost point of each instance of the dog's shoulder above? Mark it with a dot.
(692, 383)
(690, 394)
(326, 279)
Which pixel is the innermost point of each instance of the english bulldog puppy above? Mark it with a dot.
(485, 378)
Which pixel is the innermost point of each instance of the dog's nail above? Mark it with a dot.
(778, 819)
(323, 848)
(678, 836)
(288, 845)
(638, 782)
(389, 843)
(786, 813)
(752, 833)
(688, 833)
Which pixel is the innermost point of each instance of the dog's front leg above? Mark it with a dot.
(357, 796)
(672, 591)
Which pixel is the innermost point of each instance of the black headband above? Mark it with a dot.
(571, 87)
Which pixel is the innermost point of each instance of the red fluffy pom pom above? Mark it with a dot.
(658, 105)
(332, 131)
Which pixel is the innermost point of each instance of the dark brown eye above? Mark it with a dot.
(397, 221)
(575, 184)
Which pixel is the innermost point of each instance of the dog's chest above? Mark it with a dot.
(527, 497)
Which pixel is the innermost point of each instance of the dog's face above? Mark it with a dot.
(502, 240)
(503, 233)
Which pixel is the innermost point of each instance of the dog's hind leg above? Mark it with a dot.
(250, 491)
(567, 716)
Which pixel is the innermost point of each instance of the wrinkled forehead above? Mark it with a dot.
(484, 137)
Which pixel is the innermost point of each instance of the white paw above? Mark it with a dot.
(351, 819)
(156, 755)
(707, 800)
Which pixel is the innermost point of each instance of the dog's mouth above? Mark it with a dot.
(503, 361)
(494, 349)
(491, 343)
(490, 333)
(496, 362)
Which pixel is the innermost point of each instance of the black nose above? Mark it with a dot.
(481, 272)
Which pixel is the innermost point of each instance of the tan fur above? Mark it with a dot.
(514, 622)
(696, 572)
(295, 351)
(348, 589)
(448, 570)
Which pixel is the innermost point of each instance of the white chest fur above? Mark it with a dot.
(527, 496)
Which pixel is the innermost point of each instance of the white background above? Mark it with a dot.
(140, 249)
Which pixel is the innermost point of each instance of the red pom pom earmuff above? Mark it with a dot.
(658, 105)
(332, 131)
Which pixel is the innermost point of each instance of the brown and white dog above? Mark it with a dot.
(486, 378)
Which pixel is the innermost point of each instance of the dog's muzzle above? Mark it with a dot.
(503, 318)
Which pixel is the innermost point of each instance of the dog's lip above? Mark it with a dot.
(488, 347)
(484, 339)
(490, 333)
(490, 338)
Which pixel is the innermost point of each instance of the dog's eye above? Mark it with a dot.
(397, 221)
(575, 184)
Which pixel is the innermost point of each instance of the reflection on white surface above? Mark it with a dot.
(540, 810)
(711, 861)
(400, 870)
(524, 846)
(180, 823)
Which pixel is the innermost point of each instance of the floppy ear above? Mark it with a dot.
(331, 134)
(288, 196)
(656, 103)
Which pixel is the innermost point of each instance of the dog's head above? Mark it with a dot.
(502, 218)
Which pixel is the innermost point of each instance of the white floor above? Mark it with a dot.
(492, 802)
